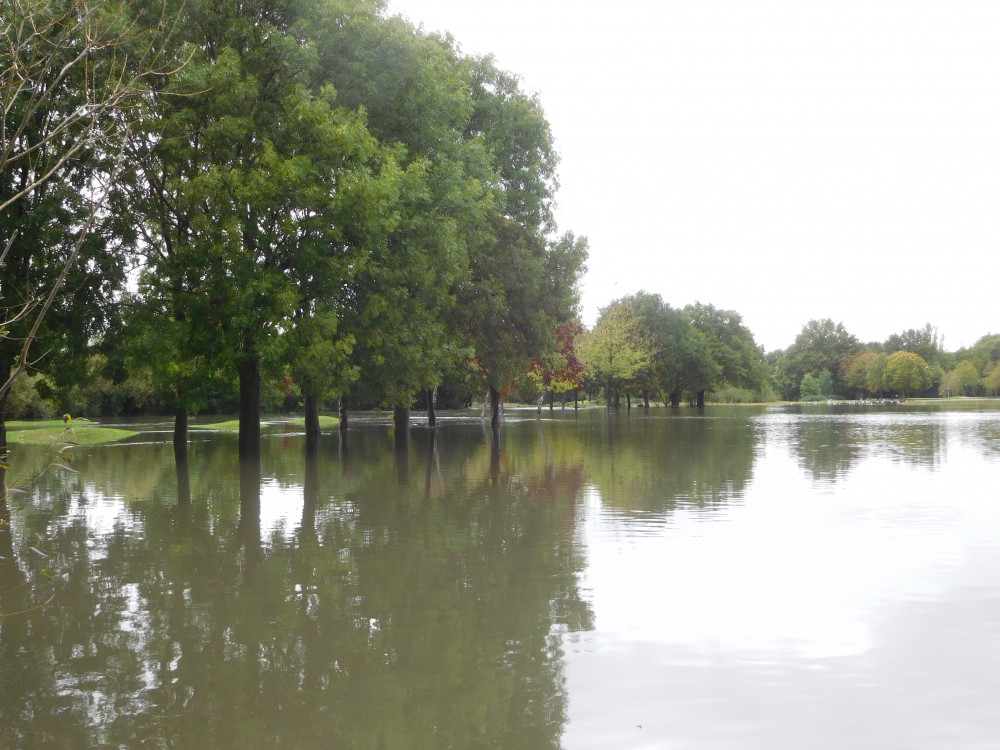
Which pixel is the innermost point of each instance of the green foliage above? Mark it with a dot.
(809, 388)
(620, 346)
(821, 345)
(906, 373)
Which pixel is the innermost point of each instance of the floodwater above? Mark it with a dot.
(767, 577)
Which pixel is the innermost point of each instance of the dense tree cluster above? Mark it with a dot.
(643, 345)
(317, 200)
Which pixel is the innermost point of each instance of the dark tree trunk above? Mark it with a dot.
(552, 400)
(249, 371)
(618, 400)
(432, 395)
(645, 399)
(628, 400)
(608, 395)
(675, 398)
(312, 424)
(342, 404)
(576, 405)
(180, 434)
(494, 408)
(701, 399)
(401, 419)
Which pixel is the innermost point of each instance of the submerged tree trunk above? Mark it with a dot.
(342, 404)
(576, 392)
(401, 418)
(180, 434)
(312, 423)
(541, 397)
(701, 399)
(494, 408)
(249, 371)
(432, 395)
(628, 400)
(675, 398)
(645, 399)
(607, 396)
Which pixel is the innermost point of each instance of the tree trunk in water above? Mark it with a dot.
(575, 401)
(628, 400)
(701, 399)
(249, 371)
(494, 408)
(401, 418)
(645, 399)
(675, 398)
(432, 395)
(180, 432)
(552, 400)
(541, 398)
(607, 396)
(342, 404)
(312, 424)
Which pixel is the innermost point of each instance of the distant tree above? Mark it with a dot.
(618, 348)
(821, 345)
(825, 382)
(809, 388)
(966, 379)
(737, 356)
(923, 341)
(854, 370)
(992, 380)
(906, 373)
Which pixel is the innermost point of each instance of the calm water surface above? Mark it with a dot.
(743, 578)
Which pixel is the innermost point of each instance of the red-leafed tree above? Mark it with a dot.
(562, 371)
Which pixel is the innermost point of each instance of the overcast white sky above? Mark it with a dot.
(787, 159)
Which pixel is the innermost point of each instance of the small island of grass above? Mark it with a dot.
(233, 425)
(52, 431)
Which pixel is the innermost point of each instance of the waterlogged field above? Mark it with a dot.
(779, 577)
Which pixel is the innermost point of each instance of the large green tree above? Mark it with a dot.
(265, 194)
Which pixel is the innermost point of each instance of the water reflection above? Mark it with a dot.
(366, 613)
(726, 579)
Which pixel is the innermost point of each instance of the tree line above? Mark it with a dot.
(222, 199)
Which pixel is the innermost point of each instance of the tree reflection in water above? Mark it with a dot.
(389, 616)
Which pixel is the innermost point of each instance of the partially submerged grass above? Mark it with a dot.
(82, 435)
(45, 424)
(233, 425)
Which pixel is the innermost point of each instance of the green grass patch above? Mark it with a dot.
(325, 422)
(45, 424)
(84, 435)
(233, 425)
